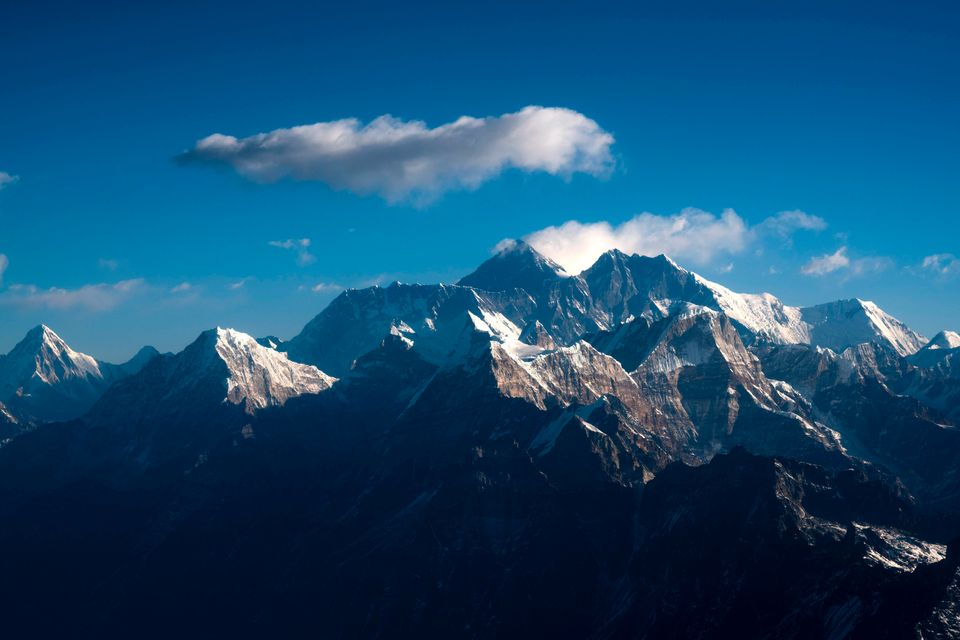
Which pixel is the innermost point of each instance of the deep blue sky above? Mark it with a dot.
(847, 111)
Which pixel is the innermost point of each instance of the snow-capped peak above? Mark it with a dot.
(44, 355)
(845, 323)
(42, 379)
(260, 376)
(516, 265)
(944, 340)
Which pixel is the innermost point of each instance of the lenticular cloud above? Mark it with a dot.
(402, 160)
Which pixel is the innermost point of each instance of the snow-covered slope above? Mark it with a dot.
(259, 376)
(519, 293)
(944, 340)
(202, 390)
(942, 348)
(762, 314)
(838, 325)
(42, 379)
(623, 287)
(434, 317)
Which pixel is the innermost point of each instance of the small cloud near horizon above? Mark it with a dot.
(90, 297)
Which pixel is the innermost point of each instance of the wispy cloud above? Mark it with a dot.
(840, 261)
(828, 263)
(326, 287)
(108, 263)
(301, 246)
(183, 287)
(693, 235)
(239, 284)
(4, 263)
(6, 179)
(407, 160)
(786, 223)
(941, 264)
(91, 297)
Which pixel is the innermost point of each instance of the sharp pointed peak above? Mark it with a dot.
(39, 336)
(41, 330)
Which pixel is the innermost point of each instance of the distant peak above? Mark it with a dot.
(945, 340)
(515, 265)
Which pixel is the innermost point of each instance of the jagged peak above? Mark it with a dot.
(617, 257)
(257, 376)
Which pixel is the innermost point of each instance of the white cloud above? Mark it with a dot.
(839, 261)
(693, 235)
(6, 179)
(941, 264)
(4, 263)
(108, 264)
(828, 263)
(785, 223)
(239, 284)
(402, 160)
(183, 287)
(92, 297)
(870, 264)
(301, 246)
(326, 287)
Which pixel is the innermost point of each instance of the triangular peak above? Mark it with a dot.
(516, 265)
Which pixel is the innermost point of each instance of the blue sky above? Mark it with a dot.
(844, 111)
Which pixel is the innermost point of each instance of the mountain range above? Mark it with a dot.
(632, 451)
